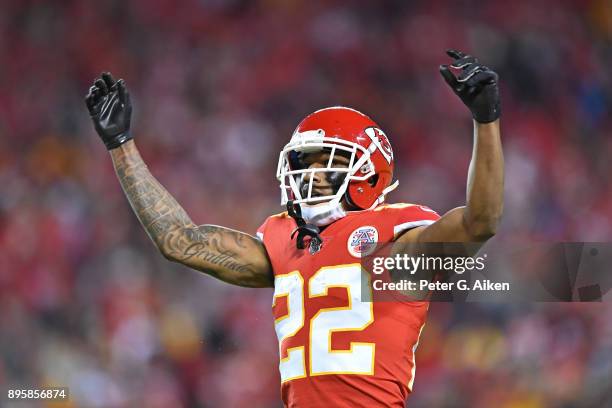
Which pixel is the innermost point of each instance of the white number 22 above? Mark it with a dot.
(355, 316)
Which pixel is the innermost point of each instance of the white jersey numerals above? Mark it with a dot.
(355, 316)
(290, 285)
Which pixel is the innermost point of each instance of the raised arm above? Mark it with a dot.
(226, 254)
(476, 221)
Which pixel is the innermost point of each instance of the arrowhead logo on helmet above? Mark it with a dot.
(344, 131)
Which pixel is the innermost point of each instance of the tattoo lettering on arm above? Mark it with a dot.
(226, 254)
(209, 244)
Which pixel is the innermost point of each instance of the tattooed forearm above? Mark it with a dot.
(158, 212)
(229, 255)
(214, 245)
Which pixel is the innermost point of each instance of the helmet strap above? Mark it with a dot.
(304, 229)
(381, 197)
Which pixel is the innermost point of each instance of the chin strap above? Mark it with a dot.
(303, 229)
(381, 197)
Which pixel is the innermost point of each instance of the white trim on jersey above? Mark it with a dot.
(398, 229)
(413, 371)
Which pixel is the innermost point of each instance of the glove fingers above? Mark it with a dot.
(90, 102)
(455, 54)
(484, 77)
(93, 90)
(108, 79)
(469, 71)
(101, 85)
(463, 62)
(449, 77)
(92, 97)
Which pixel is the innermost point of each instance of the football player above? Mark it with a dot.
(336, 349)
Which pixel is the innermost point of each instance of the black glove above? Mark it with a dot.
(476, 86)
(110, 109)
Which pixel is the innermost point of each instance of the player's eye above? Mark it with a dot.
(341, 162)
(308, 159)
(297, 160)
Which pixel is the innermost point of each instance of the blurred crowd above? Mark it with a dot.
(218, 86)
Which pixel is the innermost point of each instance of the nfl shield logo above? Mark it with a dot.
(362, 242)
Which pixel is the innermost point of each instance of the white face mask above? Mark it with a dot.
(322, 214)
(312, 141)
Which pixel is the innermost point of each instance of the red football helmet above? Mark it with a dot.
(347, 132)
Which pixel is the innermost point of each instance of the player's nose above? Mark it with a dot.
(317, 176)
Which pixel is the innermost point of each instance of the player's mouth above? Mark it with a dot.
(316, 192)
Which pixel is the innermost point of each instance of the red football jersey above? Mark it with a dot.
(335, 349)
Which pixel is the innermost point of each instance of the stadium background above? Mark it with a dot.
(218, 87)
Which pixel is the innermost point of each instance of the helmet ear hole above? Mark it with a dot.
(373, 180)
(349, 202)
